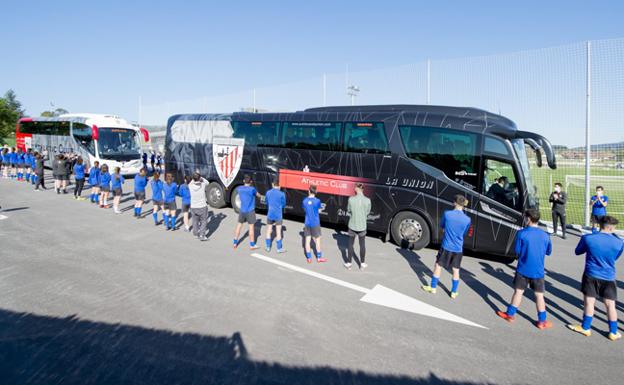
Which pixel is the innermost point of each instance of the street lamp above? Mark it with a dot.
(353, 91)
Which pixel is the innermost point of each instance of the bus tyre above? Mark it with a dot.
(235, 201)
(216, 195)
(410, 230)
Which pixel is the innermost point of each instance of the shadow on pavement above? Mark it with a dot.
(41, 350)
(15, 209)
(416, 264)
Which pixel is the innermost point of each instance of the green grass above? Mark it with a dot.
(614, 189)
(9, 141)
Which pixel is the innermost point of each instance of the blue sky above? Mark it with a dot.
(101, 56)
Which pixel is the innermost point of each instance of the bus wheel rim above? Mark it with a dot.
(215, 195)
(410, 230)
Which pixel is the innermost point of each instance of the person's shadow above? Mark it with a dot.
(416, 264)
(342, 241)
(214, 222)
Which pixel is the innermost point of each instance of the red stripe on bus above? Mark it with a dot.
(325, 183)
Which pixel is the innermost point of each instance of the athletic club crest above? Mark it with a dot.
(227, 154)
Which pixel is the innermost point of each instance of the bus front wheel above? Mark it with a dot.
(235, 201)
(216, 195)
(410, 230)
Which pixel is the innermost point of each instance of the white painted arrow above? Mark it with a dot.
(3, 217)
(379, 295)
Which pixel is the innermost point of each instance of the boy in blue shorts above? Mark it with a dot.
(532, 246)
(276, 201)
(158, 197)
(598, 204)
(247, 194)
(601, 251)
(140, 182)
(312, 225)
(455, 224)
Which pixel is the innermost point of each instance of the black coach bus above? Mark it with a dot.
(412, 160)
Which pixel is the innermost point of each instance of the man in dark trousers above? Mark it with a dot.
(558, 198)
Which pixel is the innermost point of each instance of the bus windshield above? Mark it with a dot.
(118, 144)
(520, 148)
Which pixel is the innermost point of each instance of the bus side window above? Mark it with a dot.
(257, 133)
(368, 138)
(322, 136)
(499, 183)
(82, 134)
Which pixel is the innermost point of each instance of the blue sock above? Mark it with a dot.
(136, 212)
(92, 198)
(279, 244)
(139, 211)
(252, 244)
(309, 255)
(613, 327)
(267, 242)
(166, 220)
(28, 177)
(319, 255)
(541, 316)
(587, 321)
(434, 281)
(155, 215)
(97, 198)
(455, 285)
(235, 242)
(172, 221)
(511, 310)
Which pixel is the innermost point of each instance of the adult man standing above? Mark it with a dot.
(358, 208)
(199, 207)
(558, 198)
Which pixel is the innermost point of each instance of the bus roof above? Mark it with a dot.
(102, 120)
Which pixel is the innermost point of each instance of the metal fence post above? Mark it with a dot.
(587, 134)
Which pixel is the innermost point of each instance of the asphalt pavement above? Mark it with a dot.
(93, 297)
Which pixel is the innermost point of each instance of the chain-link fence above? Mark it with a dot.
(558, 92)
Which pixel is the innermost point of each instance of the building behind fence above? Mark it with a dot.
(562, 93)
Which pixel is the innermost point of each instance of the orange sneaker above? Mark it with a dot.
(505, 316)
(543, 325)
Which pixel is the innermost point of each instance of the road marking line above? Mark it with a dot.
(379, 295)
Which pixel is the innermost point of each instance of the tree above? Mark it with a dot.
(57, 112)
(52, 114)
(10, 111)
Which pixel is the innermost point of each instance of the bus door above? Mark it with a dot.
(499, 207)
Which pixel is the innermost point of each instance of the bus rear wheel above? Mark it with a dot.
(235, 201)
(216, 195)
(410, 230)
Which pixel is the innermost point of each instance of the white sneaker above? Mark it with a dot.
(348, 265)
(363, 266)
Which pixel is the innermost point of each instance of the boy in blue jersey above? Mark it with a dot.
(33, 165)
(79, 176)
(27, 165)
(105, 180)
(247, 194)
(157, 197)
(140, 182)
(455, 224)
(185, 194)
(598, 204)
(170, 189)
(94, 181)
(20, 165)
(601, 251)
(532, 246)
(117, 180)
(276, 201)
(13, 161)
(312, 225)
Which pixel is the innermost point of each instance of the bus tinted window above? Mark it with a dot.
(312, 135)
(365, 137)
(451, 151)
(45, 128)
(83, 135)
(257, 133)
(496, 146)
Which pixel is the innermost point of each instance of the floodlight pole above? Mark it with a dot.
(587, 134)
(428, 81)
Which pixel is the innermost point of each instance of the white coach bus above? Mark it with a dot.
(106, 138)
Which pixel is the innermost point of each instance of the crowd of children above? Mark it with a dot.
(601, 248)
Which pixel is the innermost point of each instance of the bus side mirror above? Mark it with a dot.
(538, 158)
